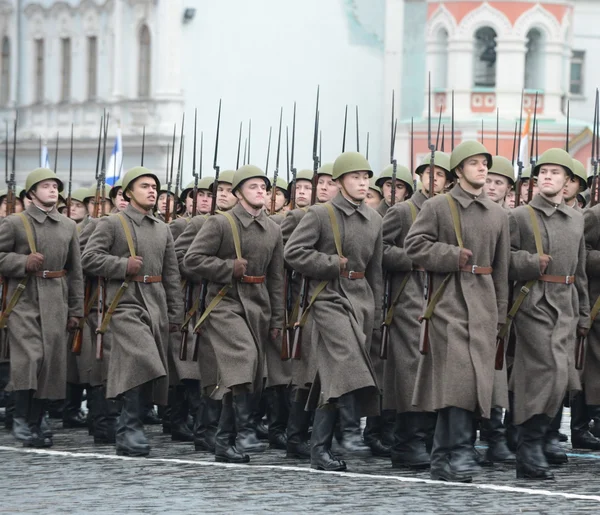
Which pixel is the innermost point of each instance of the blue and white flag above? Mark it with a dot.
(44, 158)
(115, 163)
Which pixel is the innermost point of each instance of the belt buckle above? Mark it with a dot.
(45, 274)
(474, 269)
(568, 279)
(351, 274)
(146, 278)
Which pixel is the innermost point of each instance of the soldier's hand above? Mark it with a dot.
(72, 324)
(343, 263)
(134, 265)
(35, 262)
(239, 268)
(582, 332)
(465, 255)
(544, 262)
(173, 328)
(274, 334)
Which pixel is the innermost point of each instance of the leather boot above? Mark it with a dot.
(106, 413)
(512, 433)
(320, 441)
(72, 416)
(373, 436)
(440, 452)
(350, 434)
(246, 439)
(225, 448)
(531, 462)
(45, 424)
(298, 444)
(497, 451)
(206, 424)
(36, 413)
(180, 432)
(278, 413)
(192, 396)
(130, 437)
(259, 410)
(20, 429)
(164, 412)
(9, 410)
(581, 438)
(408, 450)
(553, 451)
(594, 414)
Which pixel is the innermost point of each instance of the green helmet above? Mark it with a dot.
(115, 188)
(203, 184)
(282, 185)
(504, 167)
(38, 175)
(326, 169)
(526, 173)
(349, 162)
(3, 193)
(580, 173)
(80, 194)
(468, 149)
(402, 174)
(373, 185)
(246, 172)
(91, 192)
(225, 176)
(555, 156)
(441, 159)
(135, 173)
(302, 175)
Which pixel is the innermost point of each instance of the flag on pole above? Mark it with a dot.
(44, 157)
(524, 149)
(115, 163)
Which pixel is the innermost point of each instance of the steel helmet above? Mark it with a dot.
(326, 169)
(468, 149)
(402, 174)
(349, 162)
(504, 167)
(135, 173)
(580, 172)
(246, 172)
(38, 175)
(440, 159)
(555, 156)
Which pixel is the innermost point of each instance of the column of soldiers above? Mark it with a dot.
(236, 282)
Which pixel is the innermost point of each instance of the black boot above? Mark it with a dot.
(225, 448)
(594, 414)
(192, 396)
(553, 451)
(581, 438)
(180, 432)
(298, 444)
(72, 416)
(36, 413)
(9, 410)
(350, 434)
(151, 418)
(20, 429)
(278, 413)
(206, 424)
(373, 436)
(512, 432)
(320, 442)
(106, 413)
(246, 439)
(130, 437)
(531, 462)
(408, 450)
(497, 451)
(164, 412)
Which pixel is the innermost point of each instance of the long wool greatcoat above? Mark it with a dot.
(591, 369)
(37, 325)
(546, 324)
(400, 368)
(238, 327)
(140, 325)
(459, 368)
(346, 311)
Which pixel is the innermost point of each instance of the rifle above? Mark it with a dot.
(268, 151)
(143, 145)
(179, 166)
(292, 167)
(237, 162)
(101, 301)
(304, 284)
(367, 150)
(213, 207)
(70, 187)
(345, 124)
(532, 160)
(452, 128)
(276, 171)
(519, 156)
(170, 178)
(357, 132)
(595, 152)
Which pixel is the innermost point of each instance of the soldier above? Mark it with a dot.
(204, 201)
(78, 208)
(339, 244)
(282, 197)
(374, 195)
(105, 205)
(161, 203)
(207, 417)
(303, 190)
(3, 203)
(548, 265)
(575, 184)
(117, 198)
(525, 177)
(413, 429)
(404, 188)
(39, 254)
(245, 296)
(461, 240)
(134, 252)
(500, 180)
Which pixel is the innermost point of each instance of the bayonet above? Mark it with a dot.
(345, 124)
(532, 160)
(237, 162)
(143, 145)
(276, 171)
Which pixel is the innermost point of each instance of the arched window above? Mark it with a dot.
(440, 74)
(144, 63)
(5, 73)
(534, 60)
(484, 65)
(65, 88)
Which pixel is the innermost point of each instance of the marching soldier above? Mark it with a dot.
(575, 185)
(461, 240)
(79, 210)
(500, 180)
(404, 188)
(161, 203)
(525, 178)
(134, 252)
(548, 263)
(338, 246)
(241, 252)
(203, 203)
(117, 198)
(374, 195)
(303, 190)
(39, 254)
(282, 197)
(413, 429)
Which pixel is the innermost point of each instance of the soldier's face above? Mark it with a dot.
(552, 180)
(45, 193)
(225, 199)
(474, 171)
(355, 185)
(3, 208)
(496, 187)
(525, 191)
(143, 194)
(439, 180)
(105, 207)
(401, 191)
(303, 193)
(254, 192)
(204, 202)
(78, 210)
(509, 200)
(120, 201)
(373, 199)
(572, 188)
(327, 188)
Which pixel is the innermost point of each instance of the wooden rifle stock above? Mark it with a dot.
(76, 337)
(297, 343)
(499, 361)
(188, 299)
(385, 330)
(580, 353)
(201, 309)
(424, 336)
(101, 301)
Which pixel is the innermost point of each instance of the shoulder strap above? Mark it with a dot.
(236, 234)
(413, 210)
(128, 235)
(336, 229)
(29, 233)
(536, 231)
(455, 219)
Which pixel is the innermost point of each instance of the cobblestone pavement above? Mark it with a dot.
(75, 476)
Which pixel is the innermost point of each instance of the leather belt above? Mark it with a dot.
(559, 279)
(351, 274)
(477, 270)
(146, 279)
(252, 279)
(51, 274)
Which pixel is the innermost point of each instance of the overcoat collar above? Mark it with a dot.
(347, 208)
(465, 199)
(246, 218)
(548, 208)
